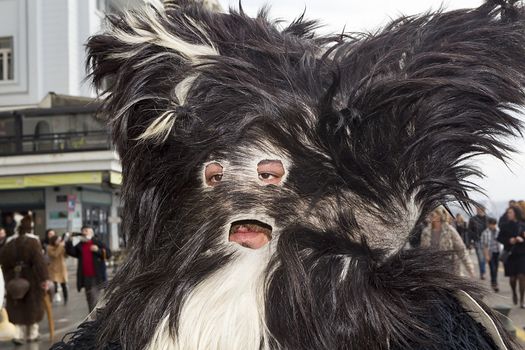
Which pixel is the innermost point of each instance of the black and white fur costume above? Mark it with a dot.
(373, 131)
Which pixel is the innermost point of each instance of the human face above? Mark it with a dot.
(2, 233)
(435, 217)
(88, 233)
(511, 215)
(480, 211)
(249, 233)
(51, 234)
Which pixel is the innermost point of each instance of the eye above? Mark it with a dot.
(266, 176)
(213, 174)
(270, 171)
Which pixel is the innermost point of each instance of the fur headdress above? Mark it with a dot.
(334, 148)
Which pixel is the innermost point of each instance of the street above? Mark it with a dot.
(67, 317)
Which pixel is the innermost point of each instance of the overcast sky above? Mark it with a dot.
(501, 183)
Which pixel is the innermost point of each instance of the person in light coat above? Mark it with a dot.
(57, 264)
(440, 235)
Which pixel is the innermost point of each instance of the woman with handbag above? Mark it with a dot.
(25, 275)
(512, 237)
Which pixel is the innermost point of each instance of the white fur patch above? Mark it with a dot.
(155, 33)
(225, 311)
(160, 128)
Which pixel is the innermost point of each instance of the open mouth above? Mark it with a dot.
(252, 234)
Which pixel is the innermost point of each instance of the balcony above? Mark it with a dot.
(52, 130)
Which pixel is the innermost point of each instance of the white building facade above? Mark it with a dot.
(56, 160)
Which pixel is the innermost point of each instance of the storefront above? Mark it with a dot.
(64, 202)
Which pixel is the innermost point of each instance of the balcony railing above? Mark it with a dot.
(69, 125)
(55, 143)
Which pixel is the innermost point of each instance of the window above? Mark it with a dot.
(6, 59)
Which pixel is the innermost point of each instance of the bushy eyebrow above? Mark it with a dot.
(269, 161)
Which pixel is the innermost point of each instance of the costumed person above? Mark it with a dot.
(25, 274)
(91, 268)
(272, 177)
(57, 264)
(439, 234)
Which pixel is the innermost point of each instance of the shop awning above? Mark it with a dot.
(60, 179)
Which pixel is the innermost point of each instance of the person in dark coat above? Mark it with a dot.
(503, 219)
(461, 227)
(476, 225)
(91, 269)
(3, 237)
(512, 236)
(26, 252)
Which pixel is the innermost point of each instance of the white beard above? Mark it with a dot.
(225, 311)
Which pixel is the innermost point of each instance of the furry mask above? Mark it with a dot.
(272, 177)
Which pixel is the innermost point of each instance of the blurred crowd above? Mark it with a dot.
(34, 272)
(494, 240)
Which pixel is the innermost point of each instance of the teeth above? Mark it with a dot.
(251, 225)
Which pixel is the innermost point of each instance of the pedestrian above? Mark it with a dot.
(512, 237)
(57, 264)
(3, 237)
(476, 225)
(91, 269)
(521, 206)
(45, 242)
(503, 219)
(22, 258)
(440, 235)
(461, 227)
(491, 250)
(10, 225)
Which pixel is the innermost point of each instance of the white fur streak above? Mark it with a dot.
(182, 88)
(155, 33)
(160, 128)
(147, 27)
(224, 312)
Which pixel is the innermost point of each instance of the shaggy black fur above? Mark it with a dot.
(378, 124)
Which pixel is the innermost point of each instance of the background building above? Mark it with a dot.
(56, 159)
